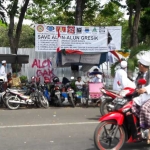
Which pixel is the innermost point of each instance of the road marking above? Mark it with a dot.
(53, 124)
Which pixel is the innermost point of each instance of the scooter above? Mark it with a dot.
(120, 125)
(56, 95)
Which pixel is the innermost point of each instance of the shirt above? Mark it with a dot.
(120, 80)
(3, 72)
(80, 84)
(97, 79)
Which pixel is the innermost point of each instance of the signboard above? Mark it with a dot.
(86, 39)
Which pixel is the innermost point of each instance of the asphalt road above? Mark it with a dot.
(63, 128)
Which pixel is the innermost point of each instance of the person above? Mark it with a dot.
(3, 73)
(120, 80)
(79, 83)
(97, 76)
(15, 81)
(141, 103)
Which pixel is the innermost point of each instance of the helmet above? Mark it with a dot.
(123, 64)
(55, 79)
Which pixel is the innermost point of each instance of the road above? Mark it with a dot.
(63, 128)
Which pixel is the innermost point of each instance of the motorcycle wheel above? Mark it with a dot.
(103, 107)
(72, 101)
(35, 100)
(103, 136)
(44, 102)
(12, 106)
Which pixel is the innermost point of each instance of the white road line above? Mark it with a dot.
(53, 124)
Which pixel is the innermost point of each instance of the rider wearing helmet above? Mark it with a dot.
(120, 80)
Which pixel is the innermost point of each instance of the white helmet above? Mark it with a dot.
(123, 64)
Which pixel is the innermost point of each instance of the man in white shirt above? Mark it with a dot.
(79, 84)
(97, 76)
(121, 79)
(3, 73)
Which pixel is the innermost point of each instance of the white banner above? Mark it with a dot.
(70, 58)
(90, 59)
(86, 39)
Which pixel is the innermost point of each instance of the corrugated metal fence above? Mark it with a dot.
(43, 64)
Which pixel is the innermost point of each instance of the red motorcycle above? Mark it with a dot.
(120, 125)
(106, 99)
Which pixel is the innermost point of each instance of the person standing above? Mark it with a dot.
(3, 73)
(120, 80)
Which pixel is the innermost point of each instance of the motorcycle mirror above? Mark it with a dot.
(141, 81)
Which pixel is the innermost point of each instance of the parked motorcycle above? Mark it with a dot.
(120, 125)
(70, 94)
(56, 92)
(16, 99)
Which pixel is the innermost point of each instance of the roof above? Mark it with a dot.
(13, 58)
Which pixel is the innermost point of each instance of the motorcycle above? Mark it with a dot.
(56, 95)
(108, 96)
(70, 94)
(35, 96)
(120, 125)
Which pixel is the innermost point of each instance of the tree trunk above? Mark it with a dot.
(80, 6)
(130, 22)
(14, 39)
(134, 35)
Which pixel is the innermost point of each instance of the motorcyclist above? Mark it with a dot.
(141, 104)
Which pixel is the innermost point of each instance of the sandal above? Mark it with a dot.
(148, 141)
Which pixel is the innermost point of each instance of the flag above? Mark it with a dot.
(59, 41)
(115, 54)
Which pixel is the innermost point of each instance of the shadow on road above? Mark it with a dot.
(95, 118)
(136, 146)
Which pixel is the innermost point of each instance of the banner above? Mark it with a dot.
(90, 59)
(81, 59)
(86, 39)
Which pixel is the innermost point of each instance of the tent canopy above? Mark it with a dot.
(13, 58)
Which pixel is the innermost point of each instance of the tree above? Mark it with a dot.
(12, 12)
(26, 37)
(2, 12)
(135, 7)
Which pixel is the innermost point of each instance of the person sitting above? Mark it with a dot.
(79, 84)
(97, 76)
(15, 81)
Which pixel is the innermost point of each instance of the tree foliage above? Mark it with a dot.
(26, 37)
